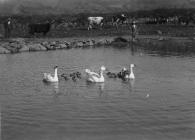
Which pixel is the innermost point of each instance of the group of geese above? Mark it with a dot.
(124, 74)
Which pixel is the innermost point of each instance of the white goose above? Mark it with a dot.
(131, 74)
(95, 77)
(47, 77)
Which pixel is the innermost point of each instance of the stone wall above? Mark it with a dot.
(24, 45)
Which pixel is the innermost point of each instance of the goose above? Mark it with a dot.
(95, 77)
(65, 76)
(111, 75)
(78, 74)
(75, 75)
(47, 77)
(74, 78)
(131, 74)
(122, 73)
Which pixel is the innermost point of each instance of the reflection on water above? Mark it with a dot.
(54, 85)
(133, 48)
(99, 86)
(169, 47)
(132, 84)
(158, 104)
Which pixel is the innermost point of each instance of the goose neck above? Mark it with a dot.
(56, 72)
(131, 69)
(101, 73)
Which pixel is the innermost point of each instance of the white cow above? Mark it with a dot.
(95, 21)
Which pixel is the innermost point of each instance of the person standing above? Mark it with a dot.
(7, 28)
(133, 30)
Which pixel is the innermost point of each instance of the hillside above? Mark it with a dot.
(87, 6)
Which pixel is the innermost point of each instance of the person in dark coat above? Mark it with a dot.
(133, 30)
(8, 27)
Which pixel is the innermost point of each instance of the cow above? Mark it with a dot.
(119, 19)
(39, 28)
(95, 21)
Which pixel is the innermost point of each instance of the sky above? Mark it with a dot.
(15, 5)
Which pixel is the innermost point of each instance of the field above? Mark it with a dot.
(61, 32)
(70, 26)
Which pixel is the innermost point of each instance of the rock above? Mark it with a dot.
(24, 48)
(3, 50)
(18, 40)
(120, 39)
(48, 45)
(13, 47)
(58, 45)
(103, 42)
(53, 43)
(36, 47)
(45, 43)
(63, 46)
(90, 43)
(81, 44)
(78, 44)
(67, 44)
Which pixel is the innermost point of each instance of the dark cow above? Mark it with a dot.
(39, 28)
(119, 19)
(8, 26)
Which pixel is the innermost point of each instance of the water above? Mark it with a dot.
(158, 104)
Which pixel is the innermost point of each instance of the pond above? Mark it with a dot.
(158, 104)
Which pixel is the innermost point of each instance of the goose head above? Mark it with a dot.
(132, 65)
(103, 68)
(55, 67)
(124, 69)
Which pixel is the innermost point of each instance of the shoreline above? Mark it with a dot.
(19, 45)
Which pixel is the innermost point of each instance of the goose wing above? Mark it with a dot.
(47, 76)
(91, 73)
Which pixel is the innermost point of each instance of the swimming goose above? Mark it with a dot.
(95, 77)
(78, 74)
(75, 75)
(131, 74)
(111, 74)
(65, 76)
(122, 73)
(47, 77)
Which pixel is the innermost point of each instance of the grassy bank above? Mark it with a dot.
(108, 30)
